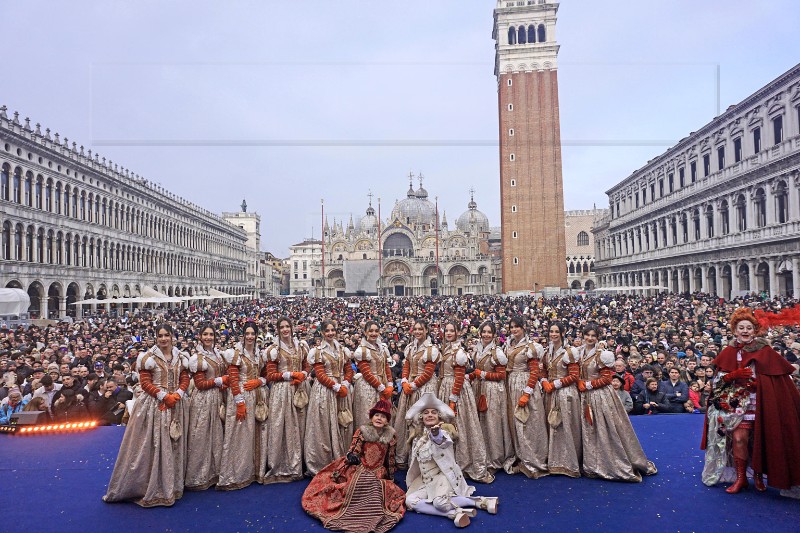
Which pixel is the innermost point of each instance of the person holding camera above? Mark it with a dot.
(110, 404)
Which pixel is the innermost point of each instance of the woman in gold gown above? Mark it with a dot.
(151, 463)
(471, 448)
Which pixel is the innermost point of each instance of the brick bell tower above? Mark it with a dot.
(531, 187)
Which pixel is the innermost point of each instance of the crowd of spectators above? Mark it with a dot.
(665, 344)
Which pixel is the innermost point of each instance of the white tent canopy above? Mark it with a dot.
(14, 301)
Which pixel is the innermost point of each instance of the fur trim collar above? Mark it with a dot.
(756, 345)
(371, 434)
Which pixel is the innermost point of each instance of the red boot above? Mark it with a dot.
(758, 482)
(741, 477)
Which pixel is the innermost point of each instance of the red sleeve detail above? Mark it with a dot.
(604, 380)
(574, 370)
(499, 373)
(233, 380)
(366, 373)
(348, 371)
(201, 382)
(427, 374)
(272, 372)
(406, 368)
(458, 383)
(184, 380)
(306, 366)
(322, 377)
(146, 381)
(533, 372)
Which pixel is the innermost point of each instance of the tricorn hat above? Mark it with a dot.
(429, 401)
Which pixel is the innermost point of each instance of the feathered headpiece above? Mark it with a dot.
(789, 316)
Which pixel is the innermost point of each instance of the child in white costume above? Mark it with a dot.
(435, 483)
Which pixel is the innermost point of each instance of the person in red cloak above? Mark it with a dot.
(768, 404)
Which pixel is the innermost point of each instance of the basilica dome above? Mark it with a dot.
(472, 218)
(368, 222)
(415, 209)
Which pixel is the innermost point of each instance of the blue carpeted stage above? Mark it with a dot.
(55, 483)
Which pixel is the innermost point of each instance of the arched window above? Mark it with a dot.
(741, 213)
(542, 35)
(512, 35)
(583, 239)
(571, 267)
(531, 33)
(782, 202)
(4, 182)
(29, 189)
(38, 192)
(16, 186)
(760, 203)
(7, 240)
(522, 35)
(725, 217)
(48, 196)
(585, 267)
(709, 221)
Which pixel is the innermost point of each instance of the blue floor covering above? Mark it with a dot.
(55, 483)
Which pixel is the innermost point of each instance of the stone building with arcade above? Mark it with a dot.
(75, 226)
(719, 212)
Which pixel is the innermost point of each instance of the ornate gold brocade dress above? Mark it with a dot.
(329, 420)
(470, 450)
(529, 437)
(611, 449)
(287, 414)
(206, 431)
(420, 360)
(244, 455)
(495, 420)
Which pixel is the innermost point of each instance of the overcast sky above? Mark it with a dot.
(285, 103)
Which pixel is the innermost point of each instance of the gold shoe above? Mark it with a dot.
(488, 504)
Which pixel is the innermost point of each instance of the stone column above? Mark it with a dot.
(773, 277)
(62, 307)
(793, 183)
(734, 278)
(43, 306)
(718, 279)
(704, 279)
(769, 202)
(796, 276)
(752, 275)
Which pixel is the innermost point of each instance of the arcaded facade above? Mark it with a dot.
(719, 212)
(76, 227)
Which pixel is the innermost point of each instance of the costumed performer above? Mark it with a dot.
(753, 413)
(436, 485)
(356, 492)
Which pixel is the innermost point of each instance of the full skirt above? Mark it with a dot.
(150, 465)
(530, 437)
(205, 439)
(611, 449)
(470, 450)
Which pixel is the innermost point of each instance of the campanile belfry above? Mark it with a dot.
(531, 187)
